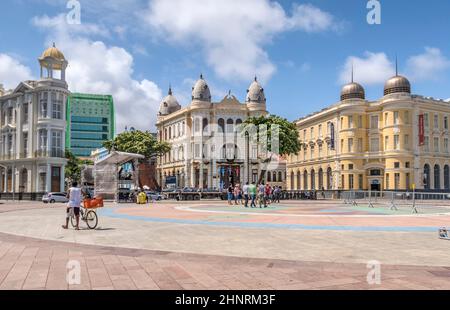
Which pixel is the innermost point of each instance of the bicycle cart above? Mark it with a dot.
(88, 212)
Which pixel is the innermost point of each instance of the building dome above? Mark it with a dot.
(53, 52)
(353, 91)
(255, 93)
(169, 104)
(397, 84)
(201, 91)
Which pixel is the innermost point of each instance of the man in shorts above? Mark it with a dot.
(74, 195)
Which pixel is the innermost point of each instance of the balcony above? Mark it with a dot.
(56, 153)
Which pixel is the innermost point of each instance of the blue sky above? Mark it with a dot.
(301, 50)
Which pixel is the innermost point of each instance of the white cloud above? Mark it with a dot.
(95, 67)
(372, 68)
(427, 66)
(232, 34)
(12, 71)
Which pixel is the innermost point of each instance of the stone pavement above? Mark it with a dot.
(152, 252)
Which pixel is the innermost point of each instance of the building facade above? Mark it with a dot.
(205, 152)
(32, 128)
(398, 142)
(91, 121)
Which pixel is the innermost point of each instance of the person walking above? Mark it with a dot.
(261, 195)
(267, 195)
(74, 195)
(252, 193)
(246, 194)
(237, 195)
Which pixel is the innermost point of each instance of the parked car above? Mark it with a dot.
(55, 197)
(155, 196)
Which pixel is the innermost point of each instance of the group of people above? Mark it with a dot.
(262, 195)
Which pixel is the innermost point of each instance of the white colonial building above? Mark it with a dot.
(205, 152)
(32, 130)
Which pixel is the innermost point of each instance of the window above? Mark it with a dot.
(374, 144)
(387, 181)
(312, 133)
(320, 151)
(397, 165)
(396, 118)
(407, 165)
(436, 121)
(360, 182)
(57, 144)
(350, 121)
(408, 182)
(436, 145)
(374, 122)
(360, 145)
(350, 145)
(320, 131)
(25, 113)
(196, 126)
(43, 139)
(426, 144)
(43, 105)
(397, 181)
(426, 121)
(446, 145)
(342, 145)
(406, 120)
(386, 119)
(197, 150)
(360, 121)
(350, 181)
(311, 153)
(350, 166)
(25, 144)
(446, 122)
(57, 113)
(397, 142)
(386, 143)
(406, 137)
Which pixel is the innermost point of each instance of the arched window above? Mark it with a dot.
(292, 180)
(446, 177)
(437, 177)
(196, 125)
(280, 176)
(205, 124)
(299, 178)
(321, 179)
(221, 123)
(230, 125)
(426, 176)
(313, 179)
(329, 179)
(305, 180)
(274, 177)
(269, 176)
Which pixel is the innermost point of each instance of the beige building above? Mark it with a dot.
(205, 151)
(393, 143)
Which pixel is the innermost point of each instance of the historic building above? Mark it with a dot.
(205, 152)
(32, 129)
(393, 143)
(90, 122)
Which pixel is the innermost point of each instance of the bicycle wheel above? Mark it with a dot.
(91, 219)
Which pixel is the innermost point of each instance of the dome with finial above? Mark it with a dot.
(255, 93)
(353, 90)
(169, 105)
(53, 52)
(397, 84)
(201, 91)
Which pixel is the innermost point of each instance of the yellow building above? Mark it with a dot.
(393, 143)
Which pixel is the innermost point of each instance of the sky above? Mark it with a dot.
(301, 51)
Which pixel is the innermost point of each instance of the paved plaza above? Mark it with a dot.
(209, 245)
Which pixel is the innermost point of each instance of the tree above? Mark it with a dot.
(73, 167)
(261, 133)
(138, 142)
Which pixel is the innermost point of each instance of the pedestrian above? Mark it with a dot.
(267, 195)
(261, 195)
(74, 195)
(245, 192)
(230, 194)
(237, 194)
(252, 193)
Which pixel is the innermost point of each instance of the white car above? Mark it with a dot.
(55, 197)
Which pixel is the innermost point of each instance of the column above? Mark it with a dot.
(48, 180)
(192, 172)
(62, 180)
(13, 179)
(200, 183)
(5, 180)
(210, 174)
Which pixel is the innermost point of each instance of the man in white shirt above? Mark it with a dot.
(245, 192)
(75, 196)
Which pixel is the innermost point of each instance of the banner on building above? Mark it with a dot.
(421, 130)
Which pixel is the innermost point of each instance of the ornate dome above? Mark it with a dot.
(353, 91)
(169, 105)
(255, 93)
(53, 52)
(201, 91)
(397, 84)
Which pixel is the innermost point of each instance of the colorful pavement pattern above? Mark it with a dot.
(208, 245)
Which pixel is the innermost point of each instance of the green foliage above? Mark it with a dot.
(138, 142)
(73, 167)
(288, 134)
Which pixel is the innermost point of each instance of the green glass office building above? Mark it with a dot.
(90, 122)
